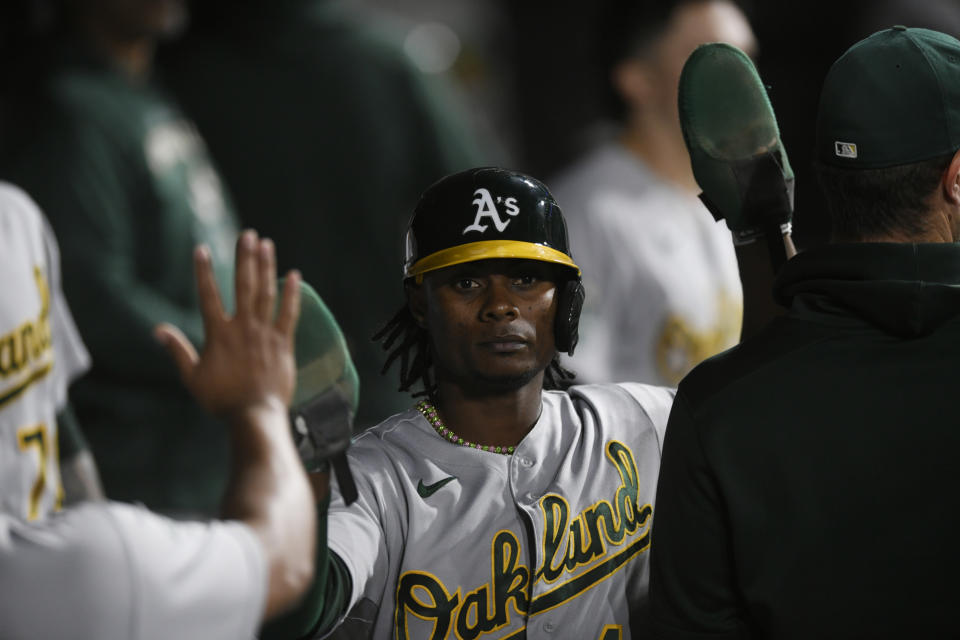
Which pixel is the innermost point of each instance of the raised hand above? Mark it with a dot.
(247, 359)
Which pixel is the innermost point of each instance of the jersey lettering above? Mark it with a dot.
(566, 547)
(479, 613)
(487, 209)
(438, 608)
(28, 345)
(39, 438)
(28, 342)
(603, 537)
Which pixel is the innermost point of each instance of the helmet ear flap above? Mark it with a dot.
(569, 304)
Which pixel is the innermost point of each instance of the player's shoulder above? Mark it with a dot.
(32, 561)
(84, 538)
(626, 395)
(747, 365)
(15, 203)
(382, 429)
(22, 225)
(124, 562)
(629, 406)
(386, 439)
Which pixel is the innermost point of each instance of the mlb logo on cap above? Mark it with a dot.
(897, 93)
(845, 149)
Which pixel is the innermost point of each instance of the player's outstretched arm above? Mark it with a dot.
(246, 375)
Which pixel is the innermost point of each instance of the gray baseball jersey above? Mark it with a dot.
(639, 237)
(452, 542)
(114, 571)
(40, 353)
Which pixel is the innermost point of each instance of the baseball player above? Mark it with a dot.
(117, 571)
(35, 368)
(832, 518)
(632, 206)
(494, 508)
(506, 503)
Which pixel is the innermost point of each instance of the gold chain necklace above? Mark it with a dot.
(430, 413)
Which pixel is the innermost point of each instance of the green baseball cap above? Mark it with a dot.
(325, 399)
(891, 99)
(733, 139)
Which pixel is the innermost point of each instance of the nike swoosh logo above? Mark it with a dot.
(427, 490)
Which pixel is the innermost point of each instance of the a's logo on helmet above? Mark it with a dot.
(487, 209)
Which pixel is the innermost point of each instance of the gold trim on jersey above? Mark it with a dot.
(681, 346)
(14, 392)
(28, 342)
(38, 437)
(568, 545)
(27, 346)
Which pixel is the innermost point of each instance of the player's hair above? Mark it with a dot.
(629, 29)
(872, 203)
(416, 364)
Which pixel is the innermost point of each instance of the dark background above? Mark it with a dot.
(526, 69)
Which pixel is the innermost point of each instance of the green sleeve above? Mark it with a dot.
(325, 602)
(91, 190)
(70, 438)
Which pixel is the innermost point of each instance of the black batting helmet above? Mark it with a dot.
(487, 213)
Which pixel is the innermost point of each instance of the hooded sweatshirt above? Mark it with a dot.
(809, 476)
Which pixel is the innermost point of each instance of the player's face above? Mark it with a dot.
(490, 322)
(692, 24)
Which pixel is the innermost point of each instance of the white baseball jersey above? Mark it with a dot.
(40, 353)
(113, 571)
(452, 542)
(661, 276)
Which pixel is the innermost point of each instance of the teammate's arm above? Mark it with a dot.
(134, 574)
(246, 374)
(326, 600)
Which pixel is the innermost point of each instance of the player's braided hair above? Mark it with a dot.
(403, 331)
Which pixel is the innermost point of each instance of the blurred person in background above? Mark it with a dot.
(772, 511)
(129, 190)
(325, 132)
(44, 462)
(632, 204)
(118, 571)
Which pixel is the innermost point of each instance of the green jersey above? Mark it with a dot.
(129, 189)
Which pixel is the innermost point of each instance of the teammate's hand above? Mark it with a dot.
(247, 361)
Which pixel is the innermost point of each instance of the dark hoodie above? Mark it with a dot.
(808, 475)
